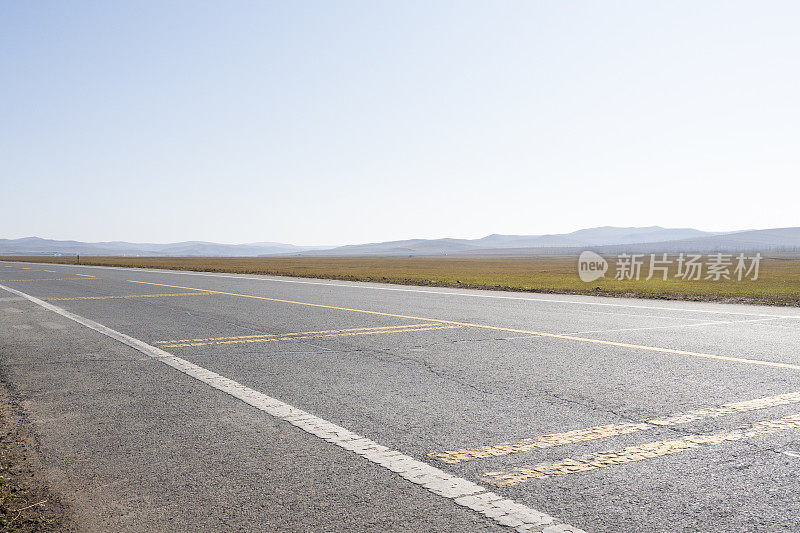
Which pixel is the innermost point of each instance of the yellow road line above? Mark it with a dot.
(612, 430)
(124, 296)
(773, 364)
(85, 275)
(46, 279)
(648, 348)
(296, 336)
(301, 303)
(630, 454)
(284, 334)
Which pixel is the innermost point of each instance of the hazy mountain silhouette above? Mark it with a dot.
(603, 239)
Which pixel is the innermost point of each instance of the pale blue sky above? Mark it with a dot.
(344, 122)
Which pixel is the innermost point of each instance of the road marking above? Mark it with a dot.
(674, 326)
(774, 364)
(461, 491)
(85, 275)
(641, 452)
(124, 296)
(612, 430)
(283, 334)
(453, 292)
(46, 279)
(780, 326)
(647, 348)
(379, 313)
(295, 336)
(641, 315)
(41, 270)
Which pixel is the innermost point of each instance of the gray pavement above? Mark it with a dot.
(133, 445)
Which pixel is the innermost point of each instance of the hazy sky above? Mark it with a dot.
(342, 122)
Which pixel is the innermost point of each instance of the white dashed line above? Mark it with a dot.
(462, 491)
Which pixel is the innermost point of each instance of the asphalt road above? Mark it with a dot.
(433, 409)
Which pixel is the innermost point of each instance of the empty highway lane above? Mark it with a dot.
(166, 401)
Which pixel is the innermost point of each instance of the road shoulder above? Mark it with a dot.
(27, 504)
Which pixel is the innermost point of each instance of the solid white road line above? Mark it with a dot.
(452, 292)
(462, 491)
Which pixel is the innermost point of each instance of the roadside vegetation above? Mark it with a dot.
(778, 282)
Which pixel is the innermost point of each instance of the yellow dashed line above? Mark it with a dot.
(497, 328)
(301, 303)
(293, 336)
(85, 275)
(125, 296)
(284, 334)
(630, 454)
(612, 430)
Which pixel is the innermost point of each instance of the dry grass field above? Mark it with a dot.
(778, 282)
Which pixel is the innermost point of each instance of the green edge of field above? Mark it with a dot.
(778, 283)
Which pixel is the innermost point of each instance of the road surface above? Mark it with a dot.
(178, 401)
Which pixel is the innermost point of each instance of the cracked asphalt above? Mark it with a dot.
(132, 445)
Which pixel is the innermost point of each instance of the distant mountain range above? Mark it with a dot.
(602, 236)
(604, 239)
(37, 246)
